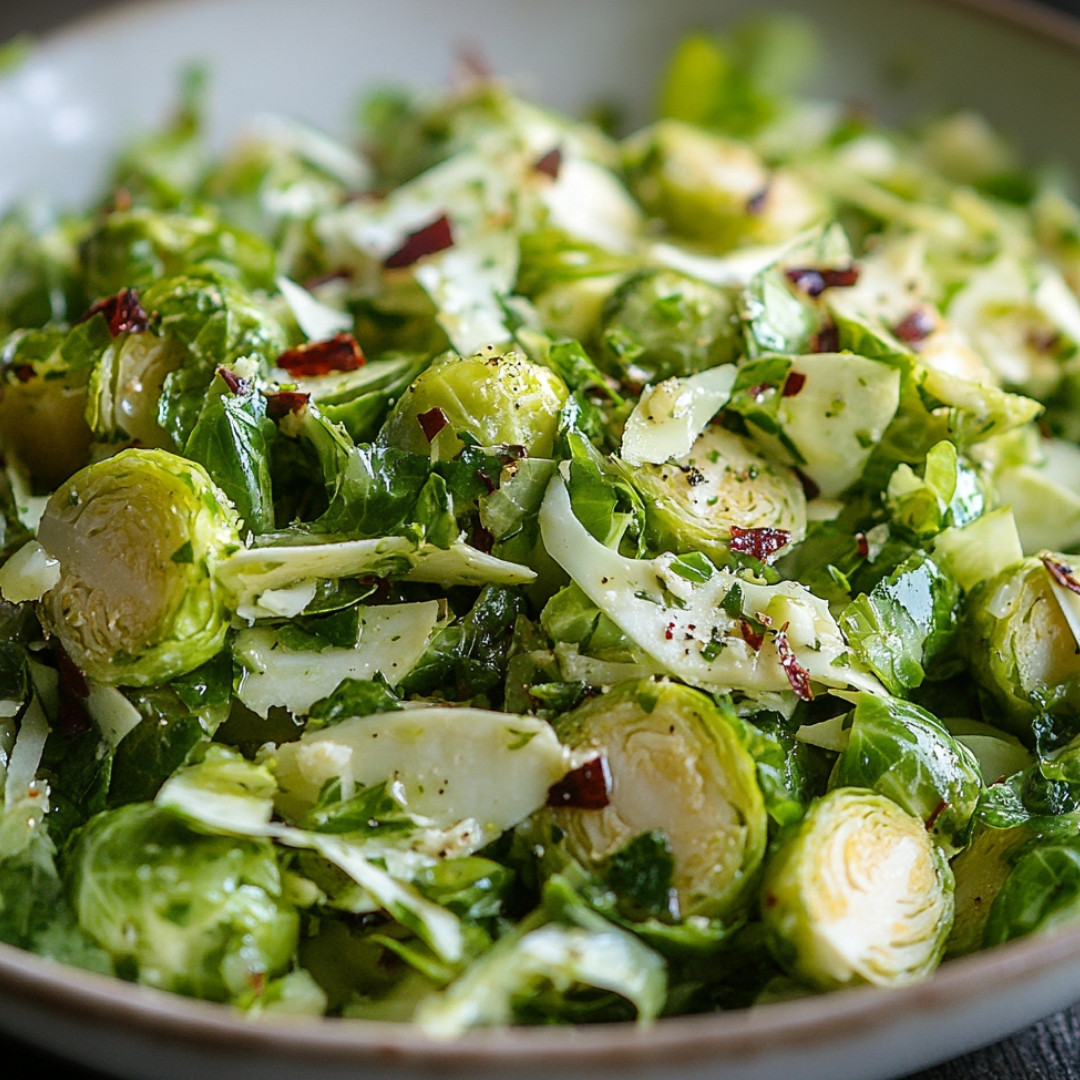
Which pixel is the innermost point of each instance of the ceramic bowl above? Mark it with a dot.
(88, 88)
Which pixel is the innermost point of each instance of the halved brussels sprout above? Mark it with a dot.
(660, 323)
(724, 482)
(125, 389)
(858, 892)
(490, 398)
(43, 403)
(138, 537)
(194, 914)
(1023, 651)
(669, 760)
(713, 189)
(149, 385)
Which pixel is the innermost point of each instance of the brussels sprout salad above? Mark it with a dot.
(501, 568)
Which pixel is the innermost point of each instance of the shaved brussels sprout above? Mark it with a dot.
(858, 892)
(709, 627)
(562, 960)
(668, 759)
(138, 537)
(471, 770)
(568, 280)
(1022, 648)
(660, 323)
(724, 483)
(832, 416)
(1041, 892)
(132, 249)
(670, 416)
(489, 398)
(198, 915)
(739, 81)
(906, 624)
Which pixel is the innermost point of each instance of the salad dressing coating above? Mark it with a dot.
(496, 568)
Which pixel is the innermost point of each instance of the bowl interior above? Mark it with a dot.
(85, 90)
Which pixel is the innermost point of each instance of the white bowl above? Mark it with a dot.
(85, 90)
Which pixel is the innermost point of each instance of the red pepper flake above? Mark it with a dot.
(795, 381)
(426, 241)
(814, 282)
(931, 821)
(754, 638)
(25, 372)
(284, 402)
(760, 543)
(1061, 573)
(550, 163)
(916, 327)
(72, 716)
(584, 788)
(486, 481)
(339, 353)
(810, 489)
(841, 277)
(811, 282)
(797, 675)
(122, 200)
(71, 678)
(669, 632)
(1045, 341)
(758, 391)
(382, 589)
(862, 545)
(341, 274)
(511, 453)
(123, 313)
(233, 381)
(482, 540)
(826, 340)
(474, 64)
(432, 422)
(756, 204)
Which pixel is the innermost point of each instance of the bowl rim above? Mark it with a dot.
(734, 1035)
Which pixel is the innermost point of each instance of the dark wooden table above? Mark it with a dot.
(1048, 1050)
